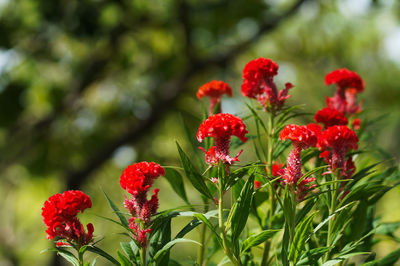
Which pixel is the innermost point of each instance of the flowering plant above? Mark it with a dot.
(302, 201)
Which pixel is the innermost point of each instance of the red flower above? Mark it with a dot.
(345, 79)
(315, 128)
(257, 184)
(214, 89)
(136, 180)
(140, 235)
(277, 169)
(356, 124)
(330, 117)
(221, 127)
(258, 83)
(348, 85)
(59, 215)
(139, 177)
(300, 136)
(338, 140)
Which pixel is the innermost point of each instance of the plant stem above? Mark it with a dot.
(332, 209)
(227, 250)
(80, 257)
(143, 256)
(200, 256)
(267, 244)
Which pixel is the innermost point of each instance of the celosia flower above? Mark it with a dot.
(258, 83)
(315, 128)
(140, 235)
(59, 215)
(356, 124)
(301, 138)
(338, 140)
(214, 89)
(136, 179)
(221, 127)
(257, 184)
(348, 84)
(330, 117)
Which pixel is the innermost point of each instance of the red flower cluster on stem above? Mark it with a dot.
(348, 85)
(214, 89)
(302, 138)
(221, 127)
(59, 215)
(258, 83)
(330, 117)
(137, 179)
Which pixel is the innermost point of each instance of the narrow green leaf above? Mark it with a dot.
(127, 248)
(120, 215)
(189, 227)
(242, 210)
(305, 210)
(389, 259)
(123, 260)
(256, 117)
(176, 182)
(103, 254)
(202, 218)
(302, 232)
(194, 177)
(257, 239)
(310, 257)
(170, 244)
(68, 256)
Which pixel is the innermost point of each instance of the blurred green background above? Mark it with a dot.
(90, 86)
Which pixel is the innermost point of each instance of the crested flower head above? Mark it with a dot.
(139, 177)
(330, 117)
(214, 89)
(338, 140)
(221, 127)
(258, 84)
(300, 136)
(59, 215)
(345, 79)
(338, 137)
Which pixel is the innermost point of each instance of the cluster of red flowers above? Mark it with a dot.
(348, 84)
(59, 215)
(258, 83)
(221, 127)
(214, 89)
(137, 179)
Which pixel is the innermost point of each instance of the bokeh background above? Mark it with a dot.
(90, 86)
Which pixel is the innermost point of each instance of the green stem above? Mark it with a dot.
(81, 259)
(200, 257)
(267, 244)
(227, 250)
(143, 256)
(332, 210)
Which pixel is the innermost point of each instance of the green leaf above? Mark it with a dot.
(202, 218)
(123, 260)
(387, 228)
(161, 236)
(189, 227)
(257, 239)
(389, 259)
(194, 177)
(256, 117)
(242, 210)
(310, 257)
(121, 217)
(305, 210)
(127, 248)
(176, 182)
(68, 256)
(103, 254)
(169, 245)
(303, 230)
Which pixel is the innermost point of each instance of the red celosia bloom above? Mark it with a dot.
(221, 127)
(348, 85)
(301, 138)
(137, 179)
(214, 89)
(257, 184)
(330, 117)
(338, 140)
(356, 124)
(59, 215)
(258, 83)
(139, 235)
(348, 169)
(277, 169)
(315, 128)
(345, 79)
